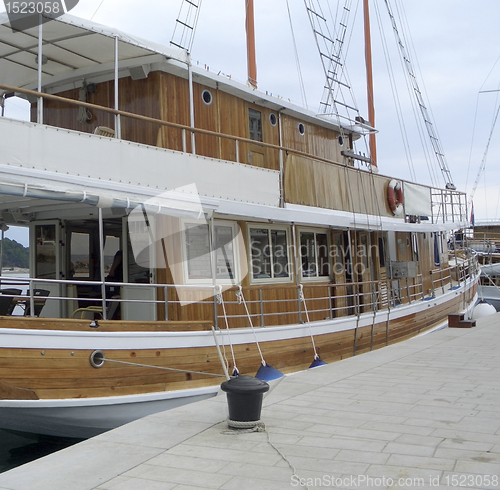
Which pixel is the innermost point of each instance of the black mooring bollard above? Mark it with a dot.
(244, 398)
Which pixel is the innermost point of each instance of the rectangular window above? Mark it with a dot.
(45, 252)
(198, 251)
(198, 257)
(255, 124)
(314, 254)
(269, 253)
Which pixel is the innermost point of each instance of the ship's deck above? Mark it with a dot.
(425, 410)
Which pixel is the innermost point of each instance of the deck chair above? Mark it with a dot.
(104, 131)
(90, 312)
(7, 304)
(39, 296)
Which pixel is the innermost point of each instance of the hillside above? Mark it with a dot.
(14, 254)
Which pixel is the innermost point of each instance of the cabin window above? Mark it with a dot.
(269, 254)
(198, 263)
(381, 251)
(255, 124)
(314, 254)
(80, 262)
(45, 252)
(273, 120)
(301, 128)
(206, 96)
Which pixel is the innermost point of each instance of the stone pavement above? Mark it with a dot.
(424, 413)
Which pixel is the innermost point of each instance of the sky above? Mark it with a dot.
(454, 46)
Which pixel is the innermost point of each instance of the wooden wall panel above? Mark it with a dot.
(139, 97)
(174, 103)
(316, 140)
(329, 186)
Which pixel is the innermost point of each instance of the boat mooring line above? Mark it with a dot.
(97, 360)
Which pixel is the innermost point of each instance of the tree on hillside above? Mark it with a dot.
(14, 254)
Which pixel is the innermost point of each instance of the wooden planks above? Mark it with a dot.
(315, 183)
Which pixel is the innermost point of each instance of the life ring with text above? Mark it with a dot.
(395, 197)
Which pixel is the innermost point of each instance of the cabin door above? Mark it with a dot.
(364, 271)
(342, 274)
(380, 259)
(139, 269)
(47, 262)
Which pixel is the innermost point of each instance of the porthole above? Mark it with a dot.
(301, 128)
(273, 119)
(207, 97)
(341, 140)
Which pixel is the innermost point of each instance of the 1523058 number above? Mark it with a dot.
(471, 480)
(33, 7)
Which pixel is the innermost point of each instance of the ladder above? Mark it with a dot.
(436, 144)
(330, 50)
(185, 26)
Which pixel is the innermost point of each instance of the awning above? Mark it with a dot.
(25, 192)
(70, 46)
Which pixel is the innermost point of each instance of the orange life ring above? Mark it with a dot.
(395, 197)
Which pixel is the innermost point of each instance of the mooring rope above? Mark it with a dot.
(303, 299)
(220, 300)
(162, 368)
(241, 300)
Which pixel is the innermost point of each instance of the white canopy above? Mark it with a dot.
(70, 46)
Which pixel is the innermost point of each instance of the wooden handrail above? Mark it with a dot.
(153, 120)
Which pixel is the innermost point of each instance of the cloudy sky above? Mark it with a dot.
(454, 45)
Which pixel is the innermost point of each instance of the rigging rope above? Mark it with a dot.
(303, 300)
(241, 300)
(102, 1)
(220, 300)
(297, 61)
(411, 78)
(104, 359)
(485, 155)
(395, 95)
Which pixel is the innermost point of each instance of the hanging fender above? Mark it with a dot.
(395, 197)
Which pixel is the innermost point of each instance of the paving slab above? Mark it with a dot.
(424, 413)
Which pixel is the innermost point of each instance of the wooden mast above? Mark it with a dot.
(369, 81)
(251, 63)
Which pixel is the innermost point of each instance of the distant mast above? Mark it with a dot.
(251, 63)
(369, 81)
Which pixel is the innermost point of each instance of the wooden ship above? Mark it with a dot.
(236, 218)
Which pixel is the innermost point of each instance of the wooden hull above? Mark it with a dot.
(49, 386)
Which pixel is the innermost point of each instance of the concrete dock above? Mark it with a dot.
(424, 413)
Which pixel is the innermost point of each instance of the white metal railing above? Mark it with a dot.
(335, 300)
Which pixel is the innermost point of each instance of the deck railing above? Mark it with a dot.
(296, 303)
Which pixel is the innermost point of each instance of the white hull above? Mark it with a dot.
(83, 418)
(491, 294)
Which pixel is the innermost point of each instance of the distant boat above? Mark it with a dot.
(164, 201)
(486, 243)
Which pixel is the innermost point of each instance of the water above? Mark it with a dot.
(16, 449)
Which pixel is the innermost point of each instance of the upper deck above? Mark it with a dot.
(167, 114)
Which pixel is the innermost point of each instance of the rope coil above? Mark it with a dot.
(255, 426)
